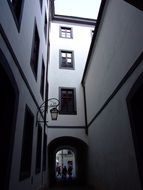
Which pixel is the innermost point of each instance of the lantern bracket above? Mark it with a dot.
(51, 104)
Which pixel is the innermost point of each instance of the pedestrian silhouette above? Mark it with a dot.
(58, 170)
(70, 171)
(64, 172)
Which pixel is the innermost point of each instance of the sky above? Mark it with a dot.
(78, 8)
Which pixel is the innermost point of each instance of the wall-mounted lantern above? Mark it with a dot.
(51, 103)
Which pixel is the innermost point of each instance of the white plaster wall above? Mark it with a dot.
(117, 46)
(24, 99)
(80, 44)
(54, 133)
(69, 78)
(21, 43)
(112, 160)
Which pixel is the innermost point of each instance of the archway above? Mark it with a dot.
(8, 109)
(79, 148)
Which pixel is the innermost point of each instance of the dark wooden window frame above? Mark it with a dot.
(27, 143)
(41, 4)
(17, 18)
(5, 65)
(61, 66)
(33, 56)
(74, 112)
(45, 25)
(42, 79)
(38, 150)
(66, 32)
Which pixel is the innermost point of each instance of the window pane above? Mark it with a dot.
(63, 35)
(69, 60)
(64, 60)
(63, 54)
(70, 92)
(26, 155)
(68, 35)
(35, 52)
(67, 101)
(68, 54)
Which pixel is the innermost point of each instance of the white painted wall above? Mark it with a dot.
(80, 44)
(54, 133)
(21, 43)
(68, 78)
(112, 162)
(117, 46)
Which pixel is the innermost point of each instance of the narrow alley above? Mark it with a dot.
(71, 95)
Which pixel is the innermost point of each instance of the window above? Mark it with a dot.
(65, 32)
(26, 155)
(35, 52)
(137, 3)
(42, 79)
(41, 2)
(45, 26)
(16, 8)
(8, 113)
(66, 59)
(67, 101)
(38, 151)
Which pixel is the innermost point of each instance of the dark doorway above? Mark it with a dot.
(8, 100)
(79, 148)
(135, 105)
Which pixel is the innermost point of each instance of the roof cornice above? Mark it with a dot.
(72, 19)
(94, 38)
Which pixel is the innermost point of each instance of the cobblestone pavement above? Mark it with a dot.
(69, 185)
(72, 188)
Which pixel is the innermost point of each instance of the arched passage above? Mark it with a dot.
(8, 109)
(78, 147)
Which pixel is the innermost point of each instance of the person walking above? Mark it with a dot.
(64, 172)
(70, 171)
(59, 171)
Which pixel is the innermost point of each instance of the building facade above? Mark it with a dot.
(24, 47)
(113, 85)
(98, 80)
(70, 39)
